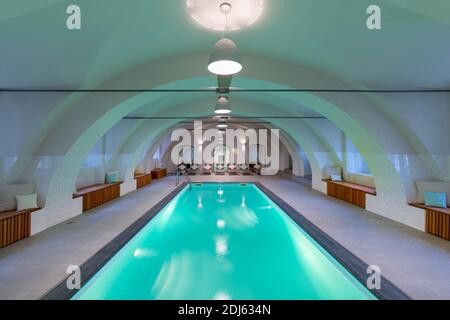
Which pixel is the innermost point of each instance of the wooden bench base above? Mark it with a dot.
(159, 173)
(14, 226)
(349, 192)
(97, 195)
(143, 180)
(437, 220)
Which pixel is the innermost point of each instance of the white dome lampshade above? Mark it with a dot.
(225, 59)
(223, 106)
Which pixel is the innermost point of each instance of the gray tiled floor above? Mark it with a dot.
(416, 262)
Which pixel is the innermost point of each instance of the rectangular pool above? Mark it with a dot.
(222, 241)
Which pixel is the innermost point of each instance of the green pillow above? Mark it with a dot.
(435, 199)
(112, 177)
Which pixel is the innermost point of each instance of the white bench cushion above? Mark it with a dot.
(8, 193)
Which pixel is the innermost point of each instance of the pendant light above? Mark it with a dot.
(225, 59)
(223, 106)
(222, 124)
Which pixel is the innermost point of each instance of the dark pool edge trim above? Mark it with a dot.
(102, 257)
(345, 257)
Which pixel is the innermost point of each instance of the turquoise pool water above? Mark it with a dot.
(222, 241)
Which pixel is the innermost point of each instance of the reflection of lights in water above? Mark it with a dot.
(221, 296)
(221, 224)
(144, 253)
(243, 202)
(221, 246)
(220, 193)
(200, 203)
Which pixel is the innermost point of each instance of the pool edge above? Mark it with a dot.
(91, 266)
(352, 263)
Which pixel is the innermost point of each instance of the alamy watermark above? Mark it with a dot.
(230, 146)
(73, 281)
(374, 19)
(374, 279)
(73, 21)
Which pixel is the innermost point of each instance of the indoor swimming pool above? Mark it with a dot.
(222, 241)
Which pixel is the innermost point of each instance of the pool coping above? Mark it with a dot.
(354, 265)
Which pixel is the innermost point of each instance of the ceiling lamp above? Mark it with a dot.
(223, 106)
(222, 124)
(209, 15)
(225, 59)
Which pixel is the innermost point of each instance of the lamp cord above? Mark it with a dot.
(226, 25)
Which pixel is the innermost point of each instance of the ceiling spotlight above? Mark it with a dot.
(225, 15)
(223, 106)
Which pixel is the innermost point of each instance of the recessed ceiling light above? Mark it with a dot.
(225, 8)
(210, 14)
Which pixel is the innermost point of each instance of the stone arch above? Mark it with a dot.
(361, 127)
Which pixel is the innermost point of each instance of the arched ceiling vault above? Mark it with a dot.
(242, 107)
(317, 152)
(119, 35)
(268, 105)
(278, 71)
(356, 115)
(143, 46)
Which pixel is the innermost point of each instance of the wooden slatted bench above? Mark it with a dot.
(437, 220)
(98, 194)
(143, 179)
(15, 226)
(350, 192)
(159, 173)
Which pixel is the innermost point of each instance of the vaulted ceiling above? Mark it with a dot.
(411, 51)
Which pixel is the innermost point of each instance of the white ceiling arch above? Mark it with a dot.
(359, 117)
(118, 35)
(318, 153)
